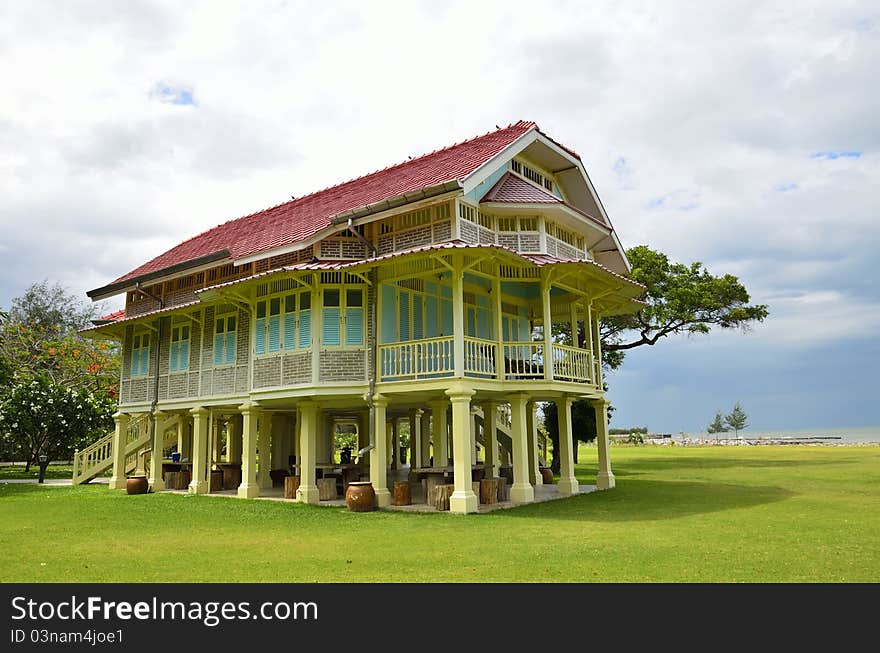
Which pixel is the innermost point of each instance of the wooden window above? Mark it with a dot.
(414, 218)
(507, 224)
(140, 354)
(225, 332)
(283, 322)
(466, 212)
(342, 317)
(486, 220)
(179, 352)
(528, 224)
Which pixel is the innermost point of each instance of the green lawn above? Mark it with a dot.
(707, 514)
(8, 472)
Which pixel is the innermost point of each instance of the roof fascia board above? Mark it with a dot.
(473, 180)
(165, 274)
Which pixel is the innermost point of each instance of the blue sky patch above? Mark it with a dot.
(841, 154)
(784, 188)
(171, 95)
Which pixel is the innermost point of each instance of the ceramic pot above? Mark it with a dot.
(547, 475)
(137, 485)
(360, 497)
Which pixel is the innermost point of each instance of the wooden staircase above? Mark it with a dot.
(97, 458)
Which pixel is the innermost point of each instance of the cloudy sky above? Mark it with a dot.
(744, 135)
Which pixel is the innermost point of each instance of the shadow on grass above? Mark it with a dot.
(654, 500)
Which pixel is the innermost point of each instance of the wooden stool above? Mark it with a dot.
(216, 480)
(402, 494)
(291, 485)
(439, 497)
(326, 489)
(489, 490)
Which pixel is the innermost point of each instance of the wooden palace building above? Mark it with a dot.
(428, 292)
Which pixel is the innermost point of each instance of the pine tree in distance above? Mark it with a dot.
(737, 419)
(717, 426)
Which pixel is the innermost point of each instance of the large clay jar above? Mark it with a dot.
(547, 475)
(360, 497)
(137, 485)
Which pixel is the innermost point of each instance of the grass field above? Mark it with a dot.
(698, 514)
(53, 472)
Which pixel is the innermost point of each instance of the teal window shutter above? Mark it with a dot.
(482, 323)
(505, 328)
(218, 349)
(184, 356)
(305, 329)
(175, 352)
(274, 333)
(446, 316)
(418, 326)
(432, 318)
(354, 326)
(290, 331)
(471, 322)
(230, 347)
(330, 327)
(403, 316)
(260, 336)
(389, 317)
(145, 361)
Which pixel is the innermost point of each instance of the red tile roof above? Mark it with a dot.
(303, 217)
(511, 188)
(111, 317)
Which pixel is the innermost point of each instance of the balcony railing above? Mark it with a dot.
(416, 359)
(572, 364)
(434, 358)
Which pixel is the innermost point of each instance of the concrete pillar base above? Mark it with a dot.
(605, 481)
(248, 490)
(308, 494)
(522, 493)
(383, 497)
(567, 487)
(198, 487)
(157, 485)
(117, 483)
(463, 502)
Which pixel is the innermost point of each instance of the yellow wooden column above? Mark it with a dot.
(458, 317)
(379, 454)
(521, 491)
(567, 482)
(605, 478)
(547, 316)
(217, 448)
(264, 444)
(463, 499)
(474, 432)
(535, 477)
(233, 439)
(426, 437)
(395, 444)
(249, 487)
(415, 439)
(120, 440)
(155, 480)
(198, 484)
(490, 438)
(308, 441)
(439, 432)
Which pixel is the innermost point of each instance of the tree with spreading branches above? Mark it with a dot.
(681, 299)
